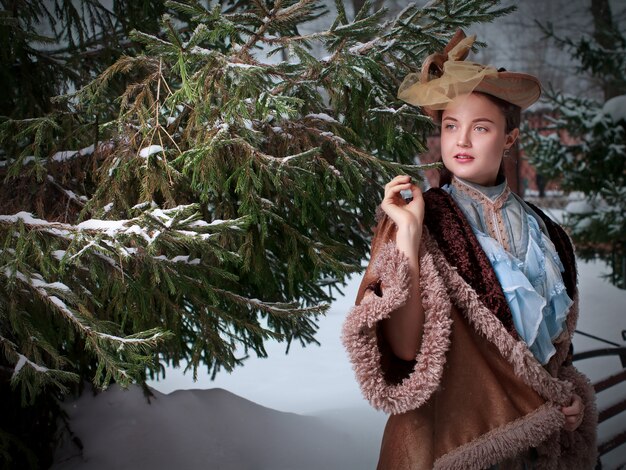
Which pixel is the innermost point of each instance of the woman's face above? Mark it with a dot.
(473, 138)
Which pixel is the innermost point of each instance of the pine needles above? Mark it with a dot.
(208, 190)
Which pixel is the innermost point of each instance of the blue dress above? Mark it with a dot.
(524, 260)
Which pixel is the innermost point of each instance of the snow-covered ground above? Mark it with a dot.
(297, 411)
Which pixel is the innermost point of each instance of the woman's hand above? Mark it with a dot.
(574, 413)
(407, 216)
(404, 328)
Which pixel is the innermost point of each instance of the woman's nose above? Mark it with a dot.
(463, 140)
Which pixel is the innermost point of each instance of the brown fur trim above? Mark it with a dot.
(549, 453)
(360, 339)
(505, 442)
(515, 352)
(457, 241)
(391, 268)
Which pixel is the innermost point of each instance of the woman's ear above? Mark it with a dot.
(511, 137)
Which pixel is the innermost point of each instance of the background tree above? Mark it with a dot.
(518, 42)
(199, 195)
(584, 144)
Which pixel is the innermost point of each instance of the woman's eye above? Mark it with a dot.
(481, 129)
(450, 126)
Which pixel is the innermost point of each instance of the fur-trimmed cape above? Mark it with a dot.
(474, 396)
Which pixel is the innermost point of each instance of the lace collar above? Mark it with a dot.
(493, 197)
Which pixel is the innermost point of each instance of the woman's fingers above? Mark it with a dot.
(394, 191)
(401, 211)
(398, 180)
(575, 408)
(399, 183)
(416, 192)
(416, 205)
(574, 413)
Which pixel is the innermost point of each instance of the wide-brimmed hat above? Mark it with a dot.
(446, 75)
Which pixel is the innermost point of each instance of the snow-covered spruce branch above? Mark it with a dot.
(61, 156)
(282, 309)
(168, 219)
(116, 354)
(48, 293)
(26, 369)
(79, 200)
(113, 242)
(24, 361)
(267, 158)
(287, 40)
(9, 349)
(274, 18)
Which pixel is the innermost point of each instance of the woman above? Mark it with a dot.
(463, 322)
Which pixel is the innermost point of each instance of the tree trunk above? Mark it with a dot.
(607, 35)
(357, 5)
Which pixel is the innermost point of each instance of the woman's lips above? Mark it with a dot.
(461, 157)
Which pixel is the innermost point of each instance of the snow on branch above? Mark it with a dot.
(66, 155)
(53, 228)
(131, 339)
(58, 157)
(22, 361)
(115, 240)
(167, 218)
(45, 290)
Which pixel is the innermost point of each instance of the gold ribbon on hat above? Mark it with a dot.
(445, 75)
(462, 47)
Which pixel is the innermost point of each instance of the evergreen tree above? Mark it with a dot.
(200, 195)
(583, 145)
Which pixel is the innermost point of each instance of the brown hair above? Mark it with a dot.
(512, 119)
